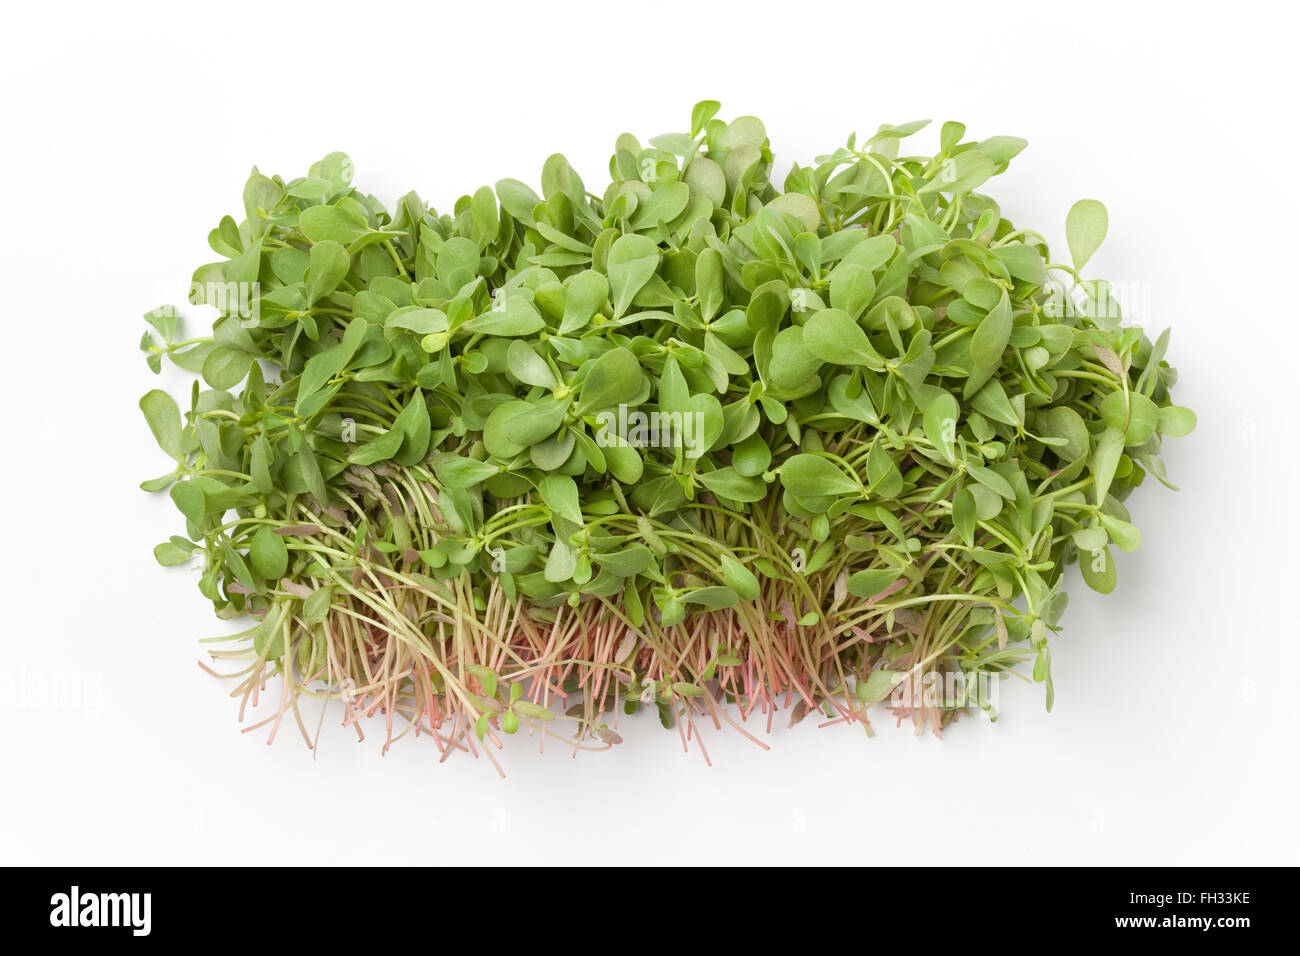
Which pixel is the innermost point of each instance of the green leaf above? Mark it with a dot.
(318, 371)
(518, 200)
(260, 458)
(225, 368)
(414, 425)
(236, 566)
(315, 608)
(707, 179)
(792, 364)
(613, 379)
(311, 473)
(800, 207)
(330, 263)
(870, 254)
(1090, 538)
(340, 224)
(852, 288)
(877, 686)
(381, 448)
(525, 708)
(742, 131)
(457, 471)
(1002, 149)
(991, 337)
(1105, 459)
(268, 637)
(883, 477)
(709, 287)
(171, 555)
(729, 483)
(189, 498)
(1085, 229)
(487, 224)
(529, 367)
(739, 578)
(1098, 569)
(961, 173)
(869, 583)
(702, 425)
(674, 393)
(268, 554)
(715, 598)
(633, 260)
(701, 113)
(812, 476)
(964, 515)
(487, 678)
(518, 316)
(1125, 535)
(665, 204)
(832, 336)
(560, 493)
(585, 295)
(751, 457)
(1065, 423)
(1131, 413)
(164, 418)
(940, 424)
(630, 561)
(335, 168)
(516, 425)
(992, 401)
(420, 321)
(991, 480)
(1175, 421)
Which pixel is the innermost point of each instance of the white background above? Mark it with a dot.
(128, 134)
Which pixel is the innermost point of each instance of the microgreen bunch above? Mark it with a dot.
(687, 442)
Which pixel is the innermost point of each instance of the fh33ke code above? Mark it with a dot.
(1205, 899)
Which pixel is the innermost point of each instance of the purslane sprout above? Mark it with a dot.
(692, 442)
